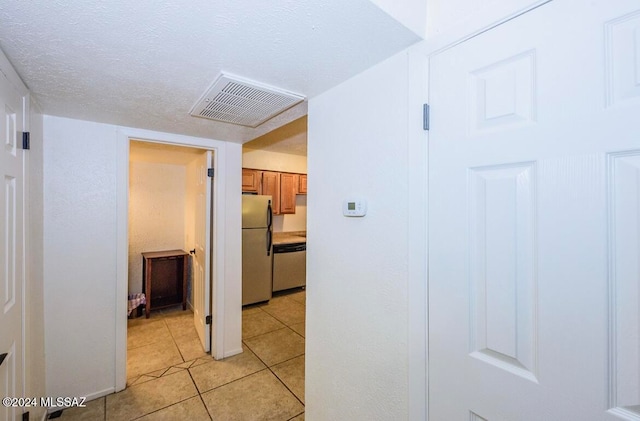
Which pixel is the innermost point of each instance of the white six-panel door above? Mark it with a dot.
(534, 218)
(202, 259)
(11, 248)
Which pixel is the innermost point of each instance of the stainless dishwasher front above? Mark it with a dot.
(289, 266)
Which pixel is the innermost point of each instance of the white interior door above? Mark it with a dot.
(534, 218)
(202, 258)
(12, 249)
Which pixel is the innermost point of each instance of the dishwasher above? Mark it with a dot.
(289, 266)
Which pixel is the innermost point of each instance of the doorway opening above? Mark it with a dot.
(169, 232)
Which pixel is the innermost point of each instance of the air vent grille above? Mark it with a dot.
(240, 101)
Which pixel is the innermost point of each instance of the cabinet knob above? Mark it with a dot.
(193, 252)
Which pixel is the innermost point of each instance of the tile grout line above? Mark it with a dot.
(288, 326)
(272, 372)
(168, 406)
(287, 387)
(206, 408)
(297, 415)
(232, 381)
(164, 318)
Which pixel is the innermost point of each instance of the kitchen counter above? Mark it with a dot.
(289, 237)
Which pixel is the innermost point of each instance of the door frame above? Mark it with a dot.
(217, 279)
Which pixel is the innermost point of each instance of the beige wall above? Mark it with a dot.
(157, 197)
(274, 161)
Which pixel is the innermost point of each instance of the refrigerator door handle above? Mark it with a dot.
(268, 242)
(269, 215)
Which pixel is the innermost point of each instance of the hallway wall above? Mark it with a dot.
(358, 269)
(79, 256)
(81, 203)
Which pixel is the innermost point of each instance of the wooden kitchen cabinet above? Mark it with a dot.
(287, 193)
(271, 187)
(281, 186)
(251, 180)
(302, 184)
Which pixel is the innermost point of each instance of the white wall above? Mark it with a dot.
(82, 259)
(79, 256)
(358, 270)
(231, 301)
(157, 205)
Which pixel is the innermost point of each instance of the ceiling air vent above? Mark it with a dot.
(240, 101)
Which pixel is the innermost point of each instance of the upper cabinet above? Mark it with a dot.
(251, 180)
(301, 187)
(282, 187)
(287, 193)
(271, 187)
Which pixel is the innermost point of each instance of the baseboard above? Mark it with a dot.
(232, 352)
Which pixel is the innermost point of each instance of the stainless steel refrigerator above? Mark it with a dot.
(257, 258)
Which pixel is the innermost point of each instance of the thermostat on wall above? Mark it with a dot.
(354, 207)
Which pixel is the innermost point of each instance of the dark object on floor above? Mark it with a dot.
(56, 414)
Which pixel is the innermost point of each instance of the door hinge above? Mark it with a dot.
(26, 144)
(210, 172)
(208, 319)
(425, 117)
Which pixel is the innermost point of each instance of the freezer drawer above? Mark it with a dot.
(289, 267)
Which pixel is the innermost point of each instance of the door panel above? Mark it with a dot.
(12, 250)
(624, 298)
(287, 193)
(502, 266)
(202, 258)
(271, 187)
(533, 219)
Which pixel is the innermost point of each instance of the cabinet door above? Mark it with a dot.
(271, 187)
(302, 184)
(287, 193)
(250, 180)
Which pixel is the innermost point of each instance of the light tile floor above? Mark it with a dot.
(171, 378)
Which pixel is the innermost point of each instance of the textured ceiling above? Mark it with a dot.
(145, 63)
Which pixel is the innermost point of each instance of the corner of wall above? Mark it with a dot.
(410, 13)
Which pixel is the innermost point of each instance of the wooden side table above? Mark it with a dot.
(165, 278)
